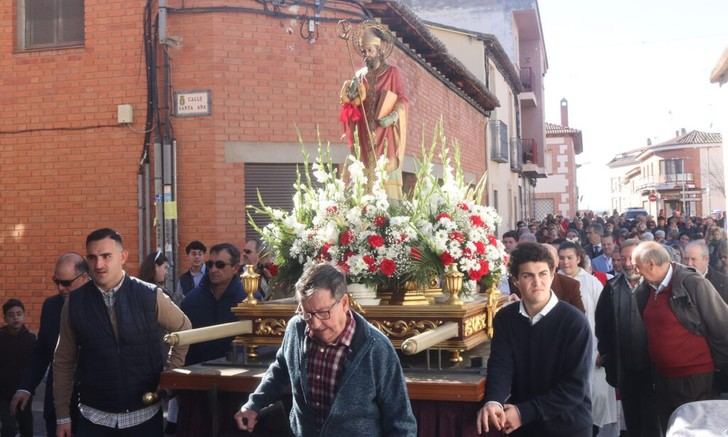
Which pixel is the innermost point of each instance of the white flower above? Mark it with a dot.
(356, 171)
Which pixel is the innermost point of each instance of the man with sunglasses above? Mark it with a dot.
(210, 302)
(110, 343)
(344, 374)
(71, 272)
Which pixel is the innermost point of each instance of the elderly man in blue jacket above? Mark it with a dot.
(344, 374)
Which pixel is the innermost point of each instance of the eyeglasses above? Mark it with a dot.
(219, 264)
(66, 282)
(321, 315)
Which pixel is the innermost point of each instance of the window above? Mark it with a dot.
(50, 23)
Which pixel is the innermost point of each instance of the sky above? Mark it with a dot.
(631, 70)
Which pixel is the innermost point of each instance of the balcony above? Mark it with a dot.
(670, 181)
(532, 166)
(516, 154)
(528, 96)
(498, 141)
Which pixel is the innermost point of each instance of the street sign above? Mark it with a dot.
(192, 103)
(652, 197)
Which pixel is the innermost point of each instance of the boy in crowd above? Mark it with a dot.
(16, 345)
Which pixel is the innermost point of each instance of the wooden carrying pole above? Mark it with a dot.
(426, 340)
(209, 333)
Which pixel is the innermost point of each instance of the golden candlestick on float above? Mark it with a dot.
(453, 283)
(251, 281)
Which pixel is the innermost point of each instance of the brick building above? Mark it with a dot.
(558, 193)
(69, 166)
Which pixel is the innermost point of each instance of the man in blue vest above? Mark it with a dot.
(110, 336)
(71, 272)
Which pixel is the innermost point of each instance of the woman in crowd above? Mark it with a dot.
(154, 270)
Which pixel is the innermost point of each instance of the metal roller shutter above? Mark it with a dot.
(275, 183)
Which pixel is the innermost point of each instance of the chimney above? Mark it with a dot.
(683, 131)
(649, 142)
(564, 113)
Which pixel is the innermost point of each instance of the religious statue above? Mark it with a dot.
(375, 102)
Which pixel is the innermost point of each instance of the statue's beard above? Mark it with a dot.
(373, 63)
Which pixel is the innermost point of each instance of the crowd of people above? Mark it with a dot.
(600, 307)
(655, 296)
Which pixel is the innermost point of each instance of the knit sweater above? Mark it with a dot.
(544, 368)
(371, 399)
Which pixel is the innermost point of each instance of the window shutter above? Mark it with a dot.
(275, 183)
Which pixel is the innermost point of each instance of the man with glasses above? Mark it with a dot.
(210, 302)
(344, 374)
(110, 343)
(71, 272)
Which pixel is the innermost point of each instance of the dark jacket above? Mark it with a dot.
(15, 351)
(186, 282)
(115, 371)
(620, 332)
(589, 249)
(719, 281)
(564, 287)
(42, 357)
(698, 307)
(371, 399)
(203, 310)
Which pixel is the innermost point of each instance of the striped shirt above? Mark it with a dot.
(324, 367)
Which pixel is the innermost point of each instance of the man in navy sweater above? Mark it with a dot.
(540, 358)
(71, 272)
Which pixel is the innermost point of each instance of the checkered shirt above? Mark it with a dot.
(324, 367)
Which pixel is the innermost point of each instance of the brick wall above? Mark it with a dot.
(265, 80)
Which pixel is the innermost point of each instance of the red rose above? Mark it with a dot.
(479, 247)
(376, 241)
(388, 267)
(331, 210)
(467, 252)
(371, 263)
(492, 240)
(346, 237)
(272, 269)
(348, 254)
(343, 266)
(475, 275)
(463, 206)
(325, 250)
(484, 267)
(446, 259)
(380, 221)
(442, 215)
(475, 220)
(457, 236)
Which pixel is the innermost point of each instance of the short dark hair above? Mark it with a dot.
(596, 228)
(577, 249)
(10, 303)
(529, 252)
(230, 248)
(195, 245)
(321, 276)
(100, 234)
(511, 234)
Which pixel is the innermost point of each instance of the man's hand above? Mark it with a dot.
(491, 413)
(20, 399)
(246, 419)
(63, 430)
(513, 418)
(389, 119)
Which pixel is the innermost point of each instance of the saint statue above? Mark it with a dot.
(375, 102)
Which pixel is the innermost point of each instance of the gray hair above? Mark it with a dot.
(701, 245)
(629, 243)
(647, 236)
(651, 252)
(527, 237)
(79, 263)
(321, 277)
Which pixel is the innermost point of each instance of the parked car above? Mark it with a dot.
(631, 214)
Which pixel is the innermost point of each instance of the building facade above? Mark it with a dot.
(558, 193)
(484, 56)
(516, 24)
(682, 174)
(76, 158)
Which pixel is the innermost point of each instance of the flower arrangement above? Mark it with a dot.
(348, 221)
